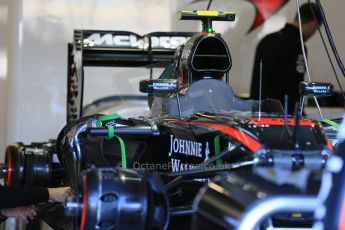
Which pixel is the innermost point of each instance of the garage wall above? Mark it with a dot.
(37, 58)
(33, 45)
(3, 72)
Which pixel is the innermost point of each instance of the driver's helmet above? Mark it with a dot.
(204, 55)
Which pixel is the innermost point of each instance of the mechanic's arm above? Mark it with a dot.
(24, 213)
(14, 197)
(17, 202)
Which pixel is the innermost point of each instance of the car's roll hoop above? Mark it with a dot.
(206, 16)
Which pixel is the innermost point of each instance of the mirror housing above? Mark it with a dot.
(159, 87)
(315, 89)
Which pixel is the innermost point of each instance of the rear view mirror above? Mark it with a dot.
(315, 89)
(158, 86)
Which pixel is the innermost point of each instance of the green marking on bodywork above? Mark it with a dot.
(111, 134)
(331, 123)
(217, 148)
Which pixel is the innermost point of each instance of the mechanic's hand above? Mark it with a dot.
(24, 212)
(60, 194)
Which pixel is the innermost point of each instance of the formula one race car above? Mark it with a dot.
(147, 172)
(144, 173)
